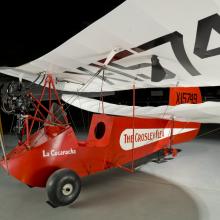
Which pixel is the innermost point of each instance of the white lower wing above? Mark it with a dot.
(207, 112)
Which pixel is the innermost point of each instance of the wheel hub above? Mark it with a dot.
(67, 189)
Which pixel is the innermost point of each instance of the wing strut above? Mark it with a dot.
(108, 60)
(132, 169)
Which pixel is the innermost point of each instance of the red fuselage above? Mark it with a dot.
(112, 142)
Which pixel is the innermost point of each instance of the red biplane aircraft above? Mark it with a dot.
(135, 46)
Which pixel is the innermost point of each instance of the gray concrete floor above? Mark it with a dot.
(187, 187)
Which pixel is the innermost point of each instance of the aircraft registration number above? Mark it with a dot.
(186, 97)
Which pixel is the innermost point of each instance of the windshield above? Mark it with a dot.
(59, 114)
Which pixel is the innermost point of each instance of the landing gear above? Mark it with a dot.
(162, 155)
(63, 187)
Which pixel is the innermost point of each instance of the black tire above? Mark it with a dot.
(63, 187)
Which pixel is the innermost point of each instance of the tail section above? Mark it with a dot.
(185, 95)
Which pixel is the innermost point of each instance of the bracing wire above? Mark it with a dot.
(101, 93)
(168, 105)
(209, 132)
(84, 126)
(81, 89)
(71, 119)
(12, 124)
(38, 77)
(94, 76)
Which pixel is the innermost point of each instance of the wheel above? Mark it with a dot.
(63, 187)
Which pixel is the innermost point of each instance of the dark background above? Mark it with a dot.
(30, 30)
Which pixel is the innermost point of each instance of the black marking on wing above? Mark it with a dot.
(117, 71)
(93, 74)
(133, 67)
(124, 74)
(84, 73)
(143, 76)
(169, 74)
(203, 34)
(121, 80)
(176, 41)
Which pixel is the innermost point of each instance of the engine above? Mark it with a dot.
(17, 102)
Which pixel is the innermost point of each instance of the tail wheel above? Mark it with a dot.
(63, 187)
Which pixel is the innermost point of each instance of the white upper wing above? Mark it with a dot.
(183, 34)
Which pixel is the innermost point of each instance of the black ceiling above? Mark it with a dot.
(29, 31)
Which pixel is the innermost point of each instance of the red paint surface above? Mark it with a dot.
(92, 155)
(181, 95)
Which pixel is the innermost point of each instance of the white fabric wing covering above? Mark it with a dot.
(207, 112)
(184, 35)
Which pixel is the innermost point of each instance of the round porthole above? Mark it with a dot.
(100, 130)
